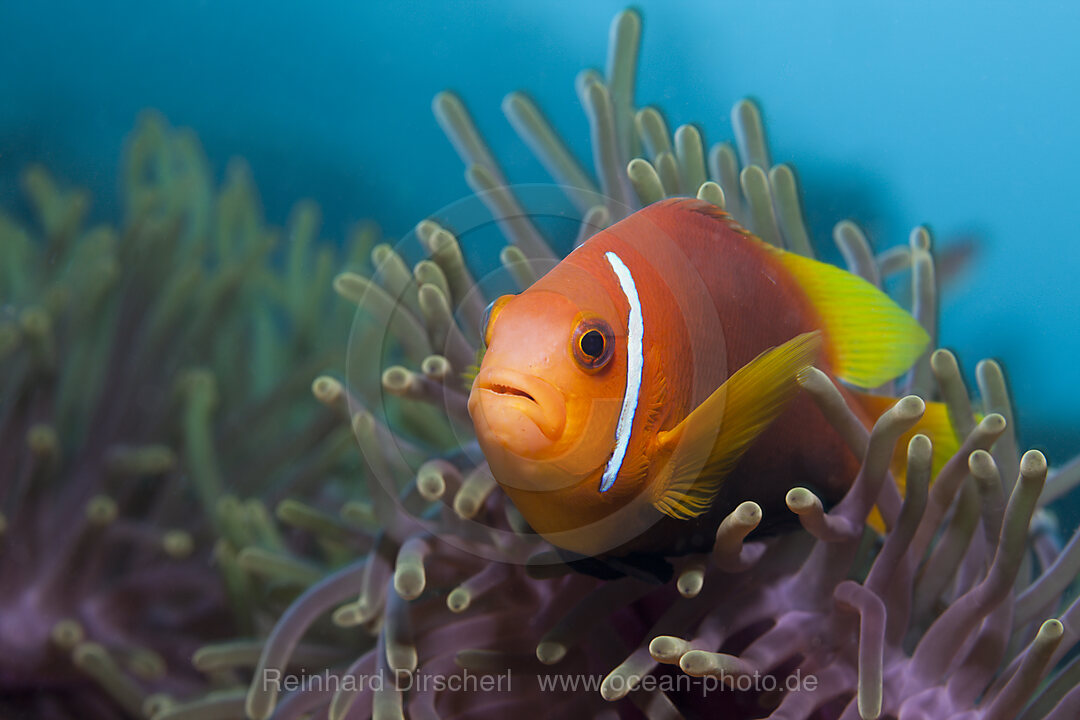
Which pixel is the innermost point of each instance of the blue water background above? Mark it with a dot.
(958, 114)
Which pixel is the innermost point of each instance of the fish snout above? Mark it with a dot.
(523, 413)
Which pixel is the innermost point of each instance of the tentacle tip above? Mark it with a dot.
(911, 407)
(744, 105)
(870, 709)
(1033, 464)
(942, 359)
(628, 20)
(350, 615)
(810, 375)
(1051, 630)
(430, 492)
(781, 171)
(409, 583)
(466, 507)
(363, 423)
(799, 500)
(550, 652)
(430, 485)
(458, 600)
(994, 423)
(690, 583)
(178, 544)
(613, 691)
(513, 100)
(395, 379)
(433, 364)
(920, 238)
(696, 662)
(443, 99)
(920, 448)
(988, 366)
(981, 462)
(67, 633)
(749, 513)
(667, 649)
(325, 388)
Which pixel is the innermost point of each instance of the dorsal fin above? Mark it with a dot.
(701, 207)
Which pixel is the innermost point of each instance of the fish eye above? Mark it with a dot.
(491, 312)
(593, 344)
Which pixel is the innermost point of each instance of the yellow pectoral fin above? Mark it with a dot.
(874, 340)
(705, 446)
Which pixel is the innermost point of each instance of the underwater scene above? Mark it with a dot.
(539, 360)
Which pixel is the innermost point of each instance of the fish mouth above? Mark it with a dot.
(500, 389)
(508, 401)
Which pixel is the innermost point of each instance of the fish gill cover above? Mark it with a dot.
(187, 534)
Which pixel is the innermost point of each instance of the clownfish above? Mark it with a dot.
(647, 384)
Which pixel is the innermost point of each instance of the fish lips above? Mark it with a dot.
(512, 406)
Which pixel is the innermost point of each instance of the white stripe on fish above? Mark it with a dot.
(635, 362)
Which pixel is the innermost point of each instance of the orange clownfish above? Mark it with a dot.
(645, 386)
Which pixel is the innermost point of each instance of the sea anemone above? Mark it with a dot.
(957, 611)
(148, 376)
